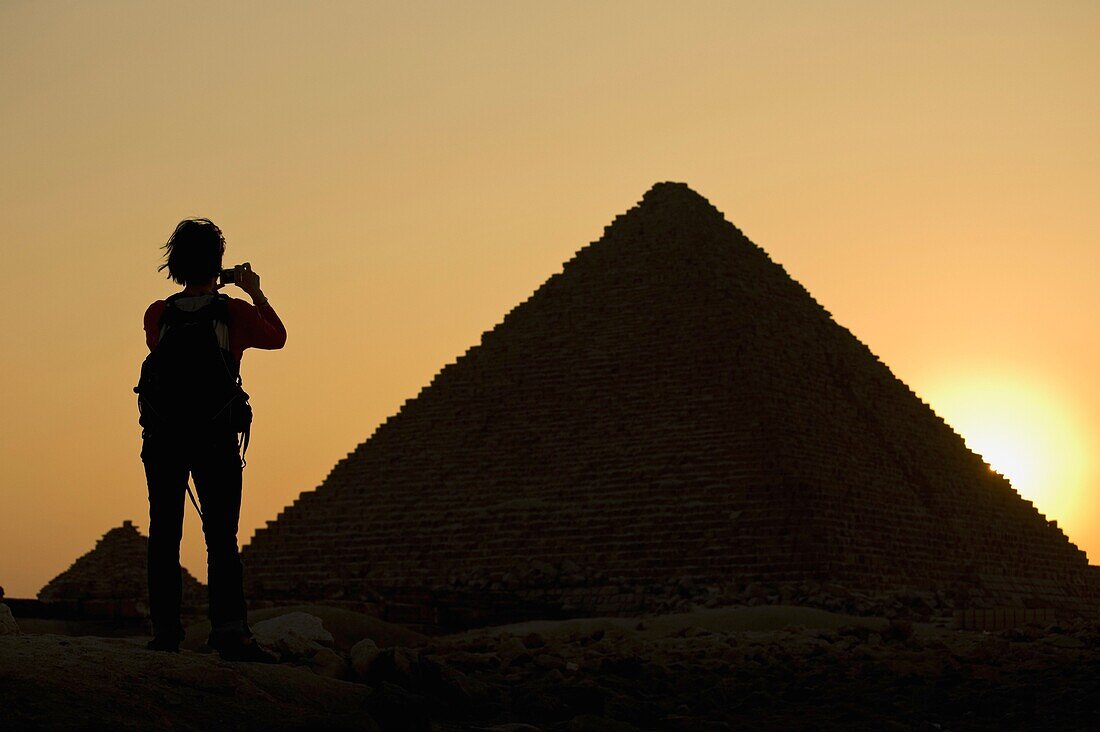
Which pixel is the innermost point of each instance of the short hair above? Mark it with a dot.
(194, 252)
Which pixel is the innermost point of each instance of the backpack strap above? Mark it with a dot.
(214, 312)
(193, 501)
(219, 306)
(243, 445)
(173, 315)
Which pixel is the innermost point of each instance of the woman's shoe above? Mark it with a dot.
(244, 649)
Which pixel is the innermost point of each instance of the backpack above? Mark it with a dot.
(189, 384)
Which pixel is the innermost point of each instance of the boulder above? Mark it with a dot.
(86, 682)
(442, 681)
(421, 674)
(8, 626)
(294, 636)
(328, 663)
(398, 666)
(549, 661)
(1058, 641)
(363, 654)
(512, 651)
(347, 627)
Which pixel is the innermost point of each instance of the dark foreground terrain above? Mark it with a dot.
(758, 667)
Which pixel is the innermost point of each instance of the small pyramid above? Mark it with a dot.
(115, 569)
(672, 404)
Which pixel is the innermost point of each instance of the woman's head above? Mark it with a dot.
(194, 252)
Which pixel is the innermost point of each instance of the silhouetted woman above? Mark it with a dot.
(203, 334)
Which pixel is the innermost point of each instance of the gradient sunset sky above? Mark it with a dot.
(402, 174)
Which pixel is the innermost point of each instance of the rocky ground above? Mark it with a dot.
(765, 667)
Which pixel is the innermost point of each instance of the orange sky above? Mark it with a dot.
(403, 174)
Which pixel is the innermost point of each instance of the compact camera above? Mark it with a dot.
(227, 277)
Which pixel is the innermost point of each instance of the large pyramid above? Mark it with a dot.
(672, 406)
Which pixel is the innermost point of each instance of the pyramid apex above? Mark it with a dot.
(675, 202)
(668, 185)
(669, 190)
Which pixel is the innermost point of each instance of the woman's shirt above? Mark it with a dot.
(249, 326)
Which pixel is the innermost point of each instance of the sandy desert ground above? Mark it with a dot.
(764, 667)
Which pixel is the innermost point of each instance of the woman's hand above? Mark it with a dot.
(247, 280)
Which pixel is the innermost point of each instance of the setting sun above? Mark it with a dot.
(1024, 431)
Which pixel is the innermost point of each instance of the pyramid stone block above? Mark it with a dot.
(671, 407)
